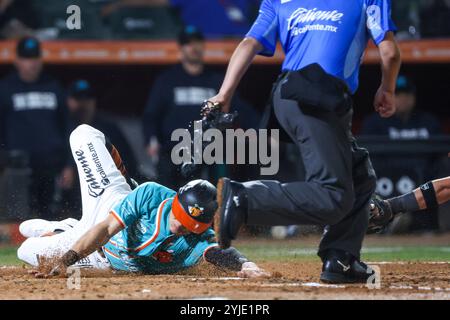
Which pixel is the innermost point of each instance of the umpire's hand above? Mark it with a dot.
(384, 102)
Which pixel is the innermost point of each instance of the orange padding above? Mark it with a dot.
(186, 220)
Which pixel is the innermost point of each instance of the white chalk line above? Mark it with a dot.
(333, 286)
(321, 285)
(311, 251)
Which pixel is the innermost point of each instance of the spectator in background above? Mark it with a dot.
(214, 18)
(408, 122)
(82, 105)
(405, 172)
(16, 18)
(34, 119)
(435, 19)
(175, 100)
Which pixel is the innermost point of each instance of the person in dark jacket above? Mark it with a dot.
(175, 101)
(409, 122)
(34, 119)
(82, 104)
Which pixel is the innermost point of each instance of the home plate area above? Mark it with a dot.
(290, 280)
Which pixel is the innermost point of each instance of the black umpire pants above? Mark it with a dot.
(338, 184)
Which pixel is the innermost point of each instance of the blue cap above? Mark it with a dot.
(190, 33)
(404, 84)
(81, 89)
(28, 47)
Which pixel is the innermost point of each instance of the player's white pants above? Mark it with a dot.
(102, 186)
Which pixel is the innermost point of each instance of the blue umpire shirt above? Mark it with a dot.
(332, 33)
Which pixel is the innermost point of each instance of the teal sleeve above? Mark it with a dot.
(140, 201)
(207, 240)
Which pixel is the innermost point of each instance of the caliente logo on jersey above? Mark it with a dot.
(303, 15)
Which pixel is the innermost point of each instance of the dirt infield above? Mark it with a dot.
(406, 273)
(291, 280)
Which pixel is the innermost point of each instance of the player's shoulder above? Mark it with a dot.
(275, 3)
(9, 78)
(376, 2)
(155, 187)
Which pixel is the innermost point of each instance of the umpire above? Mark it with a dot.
(311, 103)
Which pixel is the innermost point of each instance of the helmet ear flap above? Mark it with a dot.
(188, 220)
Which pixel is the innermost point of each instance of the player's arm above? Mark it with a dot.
(232, 259)
(428, 196)
(93, 239)
(240, 61)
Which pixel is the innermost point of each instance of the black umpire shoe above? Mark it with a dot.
(232, 211)
(342, 267)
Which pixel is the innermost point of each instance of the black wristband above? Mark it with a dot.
(70, 257)
(229, 258)
(429, 194)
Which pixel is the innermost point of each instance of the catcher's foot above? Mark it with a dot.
(342, 267)
(35, 228)
(381, 215)
(232, 211)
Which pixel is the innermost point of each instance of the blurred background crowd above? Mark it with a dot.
(162, 19)
(138, 107)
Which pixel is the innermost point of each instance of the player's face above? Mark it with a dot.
(176, 227)
(405, 102)
(192, 52)
(29, 68)
(81, 109)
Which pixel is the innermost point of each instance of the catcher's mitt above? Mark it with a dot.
(380, 215)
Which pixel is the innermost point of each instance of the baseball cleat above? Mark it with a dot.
(232, 211)
(342, 267)
(36, 228)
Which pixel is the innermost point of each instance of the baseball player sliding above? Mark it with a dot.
(151, 229)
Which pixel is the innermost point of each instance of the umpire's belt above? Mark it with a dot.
(312, 86)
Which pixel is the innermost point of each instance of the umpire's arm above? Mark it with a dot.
(238, 65)
(384, 102)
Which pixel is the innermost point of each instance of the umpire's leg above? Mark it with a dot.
(327, 196)
(349, 233)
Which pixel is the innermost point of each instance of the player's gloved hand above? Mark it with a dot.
(223, 101)
(251, 270)
(380, 215)
(209, 106)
